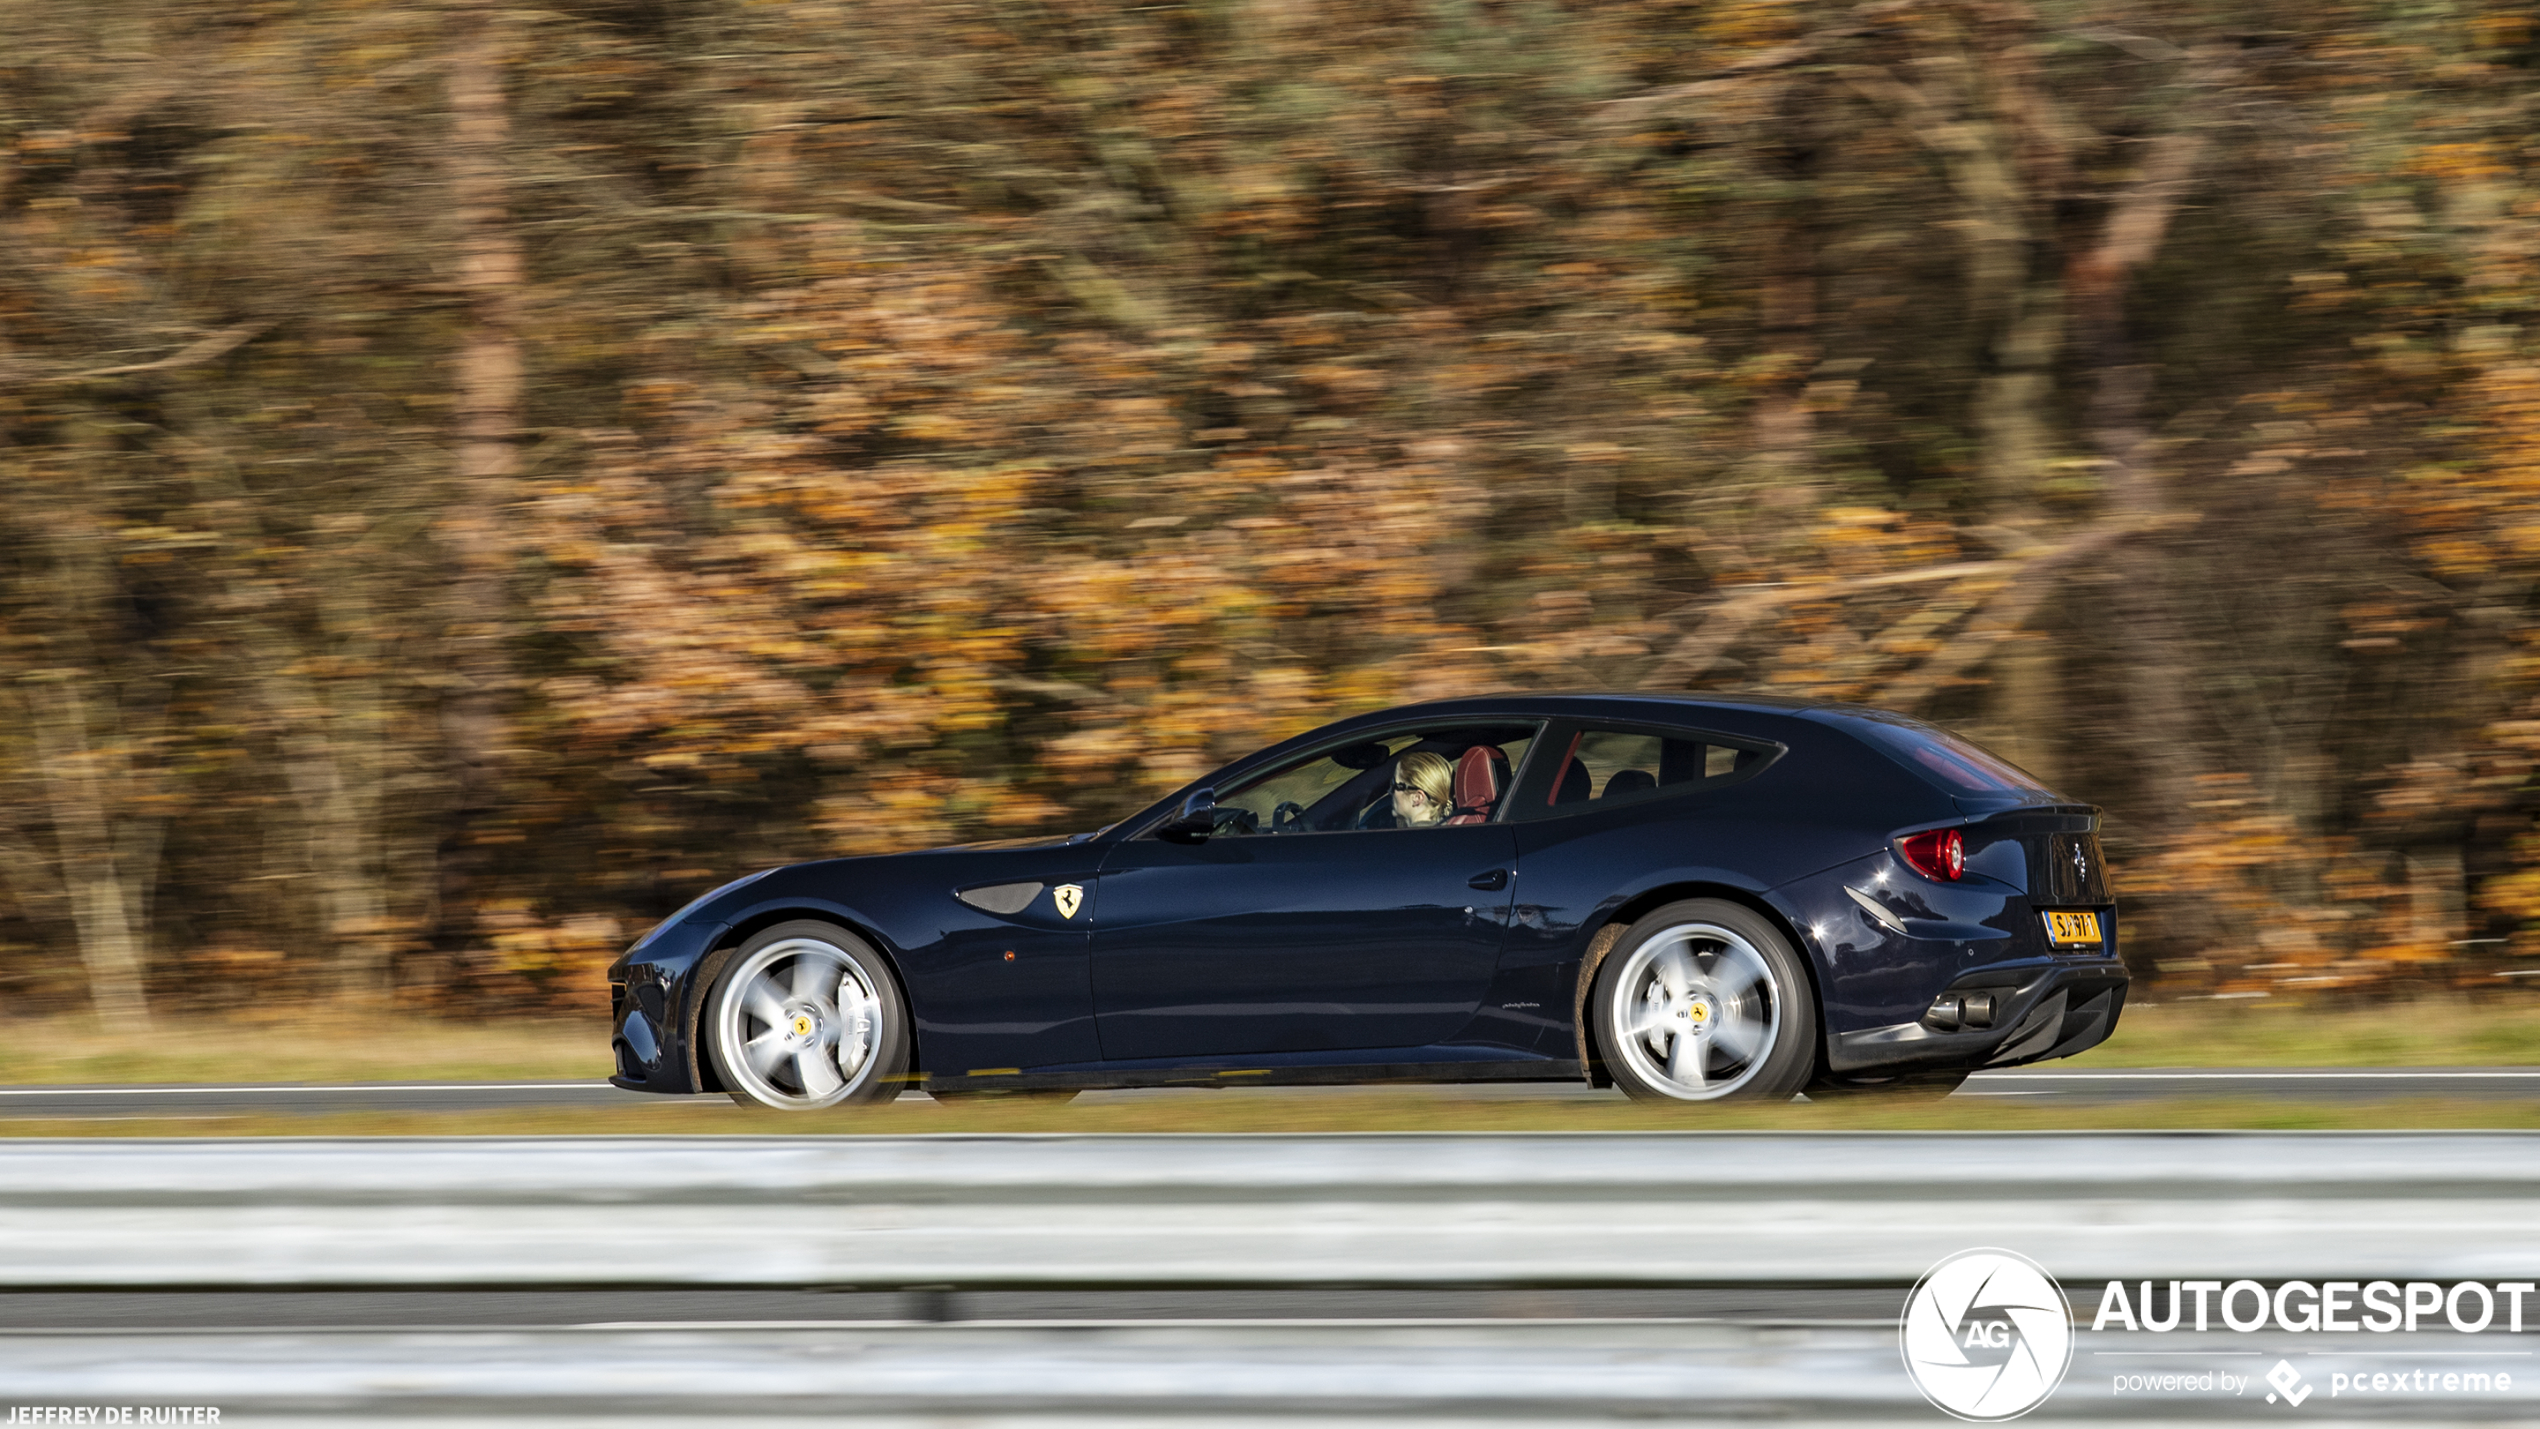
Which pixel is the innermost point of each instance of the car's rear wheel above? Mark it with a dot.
(1705, 1000)
(807, 1015)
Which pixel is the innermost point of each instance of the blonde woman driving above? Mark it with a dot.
(1423, 790)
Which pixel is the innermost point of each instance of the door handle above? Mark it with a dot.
(1490, 882)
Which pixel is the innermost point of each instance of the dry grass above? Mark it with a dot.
(2281, 1032)
(303, 1044)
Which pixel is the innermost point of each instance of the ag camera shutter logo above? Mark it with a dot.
(1987, 1335)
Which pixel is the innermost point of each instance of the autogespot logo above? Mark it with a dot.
(1987, 1335)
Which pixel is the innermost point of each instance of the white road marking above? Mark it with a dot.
(256, 1088)
(2256, 1074)
(127, 1116)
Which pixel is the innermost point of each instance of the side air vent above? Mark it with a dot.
(1001, 898)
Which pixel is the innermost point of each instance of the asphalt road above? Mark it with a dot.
(210, 1103)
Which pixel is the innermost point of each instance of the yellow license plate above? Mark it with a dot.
(2068, 930)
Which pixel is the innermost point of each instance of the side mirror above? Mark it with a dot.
(1196, 820)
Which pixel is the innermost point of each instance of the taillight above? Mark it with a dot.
(1939, 853)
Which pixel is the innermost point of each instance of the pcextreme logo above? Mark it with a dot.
(1987, 1335)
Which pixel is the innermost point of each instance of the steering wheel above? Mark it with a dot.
(1288, 818)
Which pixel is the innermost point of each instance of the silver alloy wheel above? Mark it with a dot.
(797, 1023)
(1696, 1011)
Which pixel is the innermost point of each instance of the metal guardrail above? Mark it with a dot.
(1446, 1209)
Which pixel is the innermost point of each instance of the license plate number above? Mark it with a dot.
(2073, 930)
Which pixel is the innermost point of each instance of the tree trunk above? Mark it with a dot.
(345, 801)
(104, 877)
(332, 763)
(1784, 430)
(2148, 628)
(488, 390)
(1984, 114)
(2009, 170)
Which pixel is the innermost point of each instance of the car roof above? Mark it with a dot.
(1613, 701)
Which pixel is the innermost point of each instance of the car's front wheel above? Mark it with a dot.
(1704, 1000)
(807, 1015)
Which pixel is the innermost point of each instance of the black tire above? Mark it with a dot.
(791, 983)
(1719, 980)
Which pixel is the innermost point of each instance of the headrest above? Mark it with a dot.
(1477, 781)
(1628, 782)
(1574, 783)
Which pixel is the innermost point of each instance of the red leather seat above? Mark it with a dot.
(1479, 776)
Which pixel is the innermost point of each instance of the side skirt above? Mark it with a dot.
(1237, 1075)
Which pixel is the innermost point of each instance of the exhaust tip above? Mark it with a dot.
(1953, 1010)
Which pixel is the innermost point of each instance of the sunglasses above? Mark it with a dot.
(1402, 788)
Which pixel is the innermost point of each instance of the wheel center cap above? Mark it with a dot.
(803, 1024)
(1698, 1012)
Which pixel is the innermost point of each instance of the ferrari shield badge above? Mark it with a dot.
(1069, 898)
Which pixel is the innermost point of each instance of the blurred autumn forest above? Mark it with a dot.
(476, 476)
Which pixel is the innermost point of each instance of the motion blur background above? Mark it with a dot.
(476, 477)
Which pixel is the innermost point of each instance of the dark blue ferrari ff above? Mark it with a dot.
(1688, 897)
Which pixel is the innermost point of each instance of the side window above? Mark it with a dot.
(1405, 779)
(1283, 800)
(1619, 766)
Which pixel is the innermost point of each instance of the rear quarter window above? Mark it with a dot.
(1956, 764)
(1601, 766)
